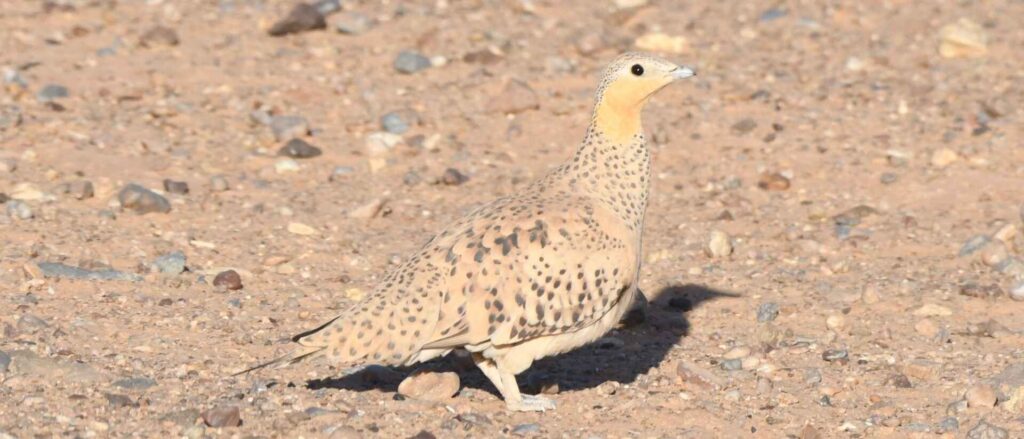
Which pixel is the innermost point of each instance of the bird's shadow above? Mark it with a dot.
(643, 341)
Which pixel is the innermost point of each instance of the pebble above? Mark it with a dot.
(927, 328)
(19, 210)
(526, 429)
(135, 383)
(731, 365)
(1017, 292)
(228, 279)
(380, 143)
(662, 43)
(62, 271)
(286, 166)
(302, 229)
(835, 355)
(452, 177)
(397, 122)
(772, 14)
(767, 312)
(409, 62)
(222, 416)
(172, 263)
(975, 243)
(963, 39)
(327, 7)
(431, 386)
(736, 353)
(303, 17)
(31, 323)
(340, 172)
(288, 127)
(515, 97)
(944, 157)
(870, 295)
(984, 430)
(899, 380)
(353, 23)
(933, 310)
(52, 92)
(368, 210)
(694, 375)
(948, 424)
(175, 187)
(159, 36)
(5, 362)
(142, 201)
(773, 181)
(218, 183)
(718, 245)
(10, 117)
(80, 190)
(1006, 233)
(835, 322)
(299, 149)
(412, 178)
(744, 126)
(117, 400)
(888, 178)
(980, 395)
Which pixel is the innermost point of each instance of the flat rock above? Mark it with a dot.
(171, 263)
(409, 62)
(58, 270)
(431, 386)
(353, 23)
(299, 149)
(222, 416)
(303, 17)
(52, 92)
(142, 201)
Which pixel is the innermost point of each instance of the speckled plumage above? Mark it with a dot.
(537, 273)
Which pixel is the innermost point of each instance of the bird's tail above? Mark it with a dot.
(292, 357)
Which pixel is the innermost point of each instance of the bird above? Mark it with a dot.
(536, 273)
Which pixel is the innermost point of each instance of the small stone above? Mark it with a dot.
(218, 183)
(81, 189)
(767, 312)
(452, 177)
(933, 310)
(159, 36)
(31, 323)
(353, 23)
(303, 17)
(339, 173)
(984, 430)
(1006, 234)
(286, 166)
(963, 39)
(956, 407)
(288, 127)
(52, 92)
(175, 187)
(744, 126)
(183, 418)
(718, 245)
(381, 143)
(142, 201)
(368, 210)
(975, 243)
(699, 377)
(516, 97)
(302, 229)
(888, 178)
(423, 434)
(732, 365)
(948, 424)
(927, 328)
(899, 380)
(327, 7)
(228, 280)
(662, 43)
(773, 181)
(117, 400)
(135, 383)
(809, 432)
(10, 118)
(18, 209)
(1017, 292)
(431, 386)
(944, 157)
(299, 149)
(980, 395)
(5, 362)
(526, 429)
(222, 416)
(412, 178)
(831, 355)
(772, 14)
(409, 62)
(870, 295)
(397, 122)
(737, 352)
(172, 263)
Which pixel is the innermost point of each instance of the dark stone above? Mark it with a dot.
(228, 280)
(142, 200)
(51, 92)
(303, 17)
(299, 149)
(409, 62)
(159, 36)
(744, 126)
(222, 416)
(835, 355)
(176, 187)
(767, 312)
(452, 177)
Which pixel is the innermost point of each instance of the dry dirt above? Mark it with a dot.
(844, 156)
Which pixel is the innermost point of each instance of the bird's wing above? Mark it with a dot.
(527, 272)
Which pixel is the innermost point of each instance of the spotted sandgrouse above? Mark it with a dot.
(534, 274)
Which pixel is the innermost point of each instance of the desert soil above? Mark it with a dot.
(833, 245)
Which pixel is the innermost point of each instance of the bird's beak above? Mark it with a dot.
(683, 72)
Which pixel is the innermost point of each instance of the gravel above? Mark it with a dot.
(409, 62)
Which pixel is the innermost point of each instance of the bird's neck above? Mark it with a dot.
(613, 164)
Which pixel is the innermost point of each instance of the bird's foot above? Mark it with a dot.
(531, 403)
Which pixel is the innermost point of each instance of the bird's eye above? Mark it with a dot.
(637, 69)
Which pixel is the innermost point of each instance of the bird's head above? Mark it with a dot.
(628, 83)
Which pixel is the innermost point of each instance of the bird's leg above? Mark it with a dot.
(509, 389)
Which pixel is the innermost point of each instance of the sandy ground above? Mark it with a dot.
(844, 154)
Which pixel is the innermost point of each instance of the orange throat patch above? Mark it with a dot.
(618, 113)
